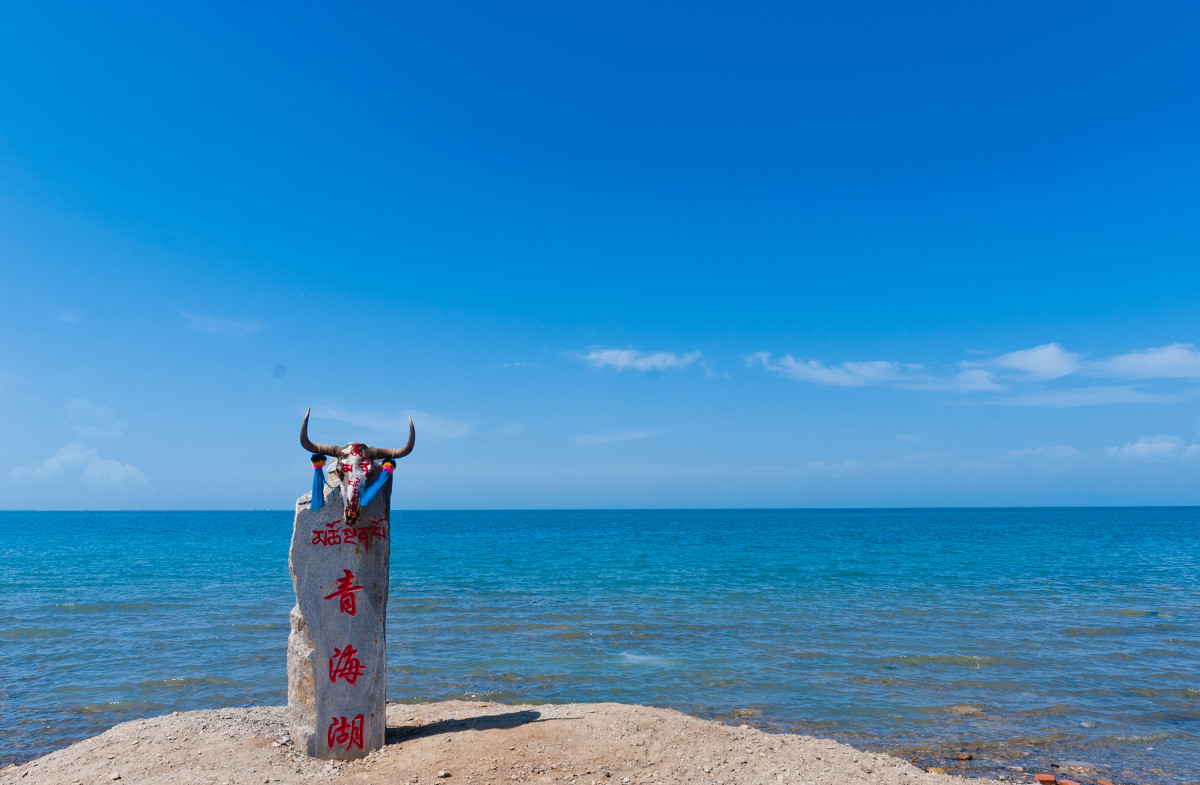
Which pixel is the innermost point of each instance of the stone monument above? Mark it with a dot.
(337, 650)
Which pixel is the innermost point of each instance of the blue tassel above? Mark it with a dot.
(384, 476)
(318, 492)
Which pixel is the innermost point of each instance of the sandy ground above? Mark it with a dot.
(477, 743)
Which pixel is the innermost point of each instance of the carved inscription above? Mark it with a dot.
(346, 733)
(336, 534)
(346, 592)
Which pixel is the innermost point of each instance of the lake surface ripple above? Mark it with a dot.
(1023, 637)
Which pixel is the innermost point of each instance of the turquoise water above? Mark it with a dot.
(1023, 636)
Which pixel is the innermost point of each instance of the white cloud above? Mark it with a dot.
(908, 376)
(72, 456)
(1060, 451)
(1092, 396)
(395, 426)
(975, 380)
(77, 462)
(848, 374)
(1041, 363)
(968, 381)
(1155, 449)
(608, 438)
(107, 474)
(635, 360)
(1027, 374)
(218, 326)
(91, 420)
(846, 468)
(1176, 361)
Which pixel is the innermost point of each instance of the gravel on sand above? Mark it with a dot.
(469, 743)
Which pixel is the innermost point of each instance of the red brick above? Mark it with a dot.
(1046, 779)
(1062, 781)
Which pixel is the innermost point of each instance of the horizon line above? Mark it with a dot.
(664, 509)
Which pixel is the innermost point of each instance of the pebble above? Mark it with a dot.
(443, 774)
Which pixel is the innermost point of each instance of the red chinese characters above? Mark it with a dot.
(344, 664)
(346, 592)
(346, 733)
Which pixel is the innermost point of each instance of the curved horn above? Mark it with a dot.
(376, 452)
(320, 449)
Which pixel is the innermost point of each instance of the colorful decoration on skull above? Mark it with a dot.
(318, 489)
(384, 475)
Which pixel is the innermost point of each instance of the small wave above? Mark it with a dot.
(1057, 710)
(888, 681)
(1139, 613)
(111, 708)
(971, 660)
(513, 677)
(32, 633)
(1076, 632)
(1047, 740)
(182, 683)
(722, 684)
(998, 686)
(1155, 652)
(1143, 738)
(1189, 693)
(656, 660)
(115, 606)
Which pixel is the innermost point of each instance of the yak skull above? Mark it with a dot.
(354, 464)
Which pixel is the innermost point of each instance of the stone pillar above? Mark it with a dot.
(337, 650)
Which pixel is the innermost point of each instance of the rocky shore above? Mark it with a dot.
(470, 743)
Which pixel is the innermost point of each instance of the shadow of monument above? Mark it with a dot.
(510, 719)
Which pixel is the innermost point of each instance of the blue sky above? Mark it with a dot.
(604, 254)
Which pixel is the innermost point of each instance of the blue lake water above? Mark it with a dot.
(1023, 636)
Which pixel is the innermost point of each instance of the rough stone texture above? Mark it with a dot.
(329, 695)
